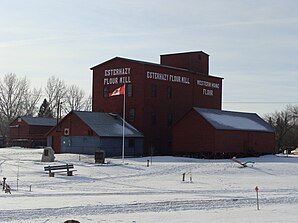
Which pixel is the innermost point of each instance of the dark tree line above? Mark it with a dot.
(18, 99)
(285, 124)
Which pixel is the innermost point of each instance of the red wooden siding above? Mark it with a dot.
(194, 136)
(189, 89)
(22, 134)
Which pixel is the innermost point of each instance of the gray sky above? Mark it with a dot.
(253, 44)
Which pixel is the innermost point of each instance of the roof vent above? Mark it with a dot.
(114, 115)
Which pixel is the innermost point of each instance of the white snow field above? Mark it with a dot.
(220, 191)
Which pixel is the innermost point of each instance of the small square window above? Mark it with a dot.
(169, 92)
(154, 90)
(106, 91)
(131, 114)
(128, 88)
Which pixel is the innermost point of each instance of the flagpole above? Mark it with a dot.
(123, 127)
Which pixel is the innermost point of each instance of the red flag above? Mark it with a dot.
(118, 91)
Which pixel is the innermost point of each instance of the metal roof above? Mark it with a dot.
(40, 121)
(107, 124)
(230, 120)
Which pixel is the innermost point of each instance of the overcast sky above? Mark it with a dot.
(253, 44)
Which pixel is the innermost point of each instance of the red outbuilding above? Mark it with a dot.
(85, 132)
(27, 131)
(157, 95)
(212, 133)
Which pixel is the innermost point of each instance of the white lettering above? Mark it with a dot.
(117, 71)
(207, 84)
(157, 76)
(185, 80)
(207, 92)
(112, 80)
(124, 80)
(112, 76)
(215, 85)
(167, 77)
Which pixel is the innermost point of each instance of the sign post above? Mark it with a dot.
(257, 191)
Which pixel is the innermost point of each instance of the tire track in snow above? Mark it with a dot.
(163, 206)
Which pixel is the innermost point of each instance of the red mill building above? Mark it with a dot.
(157, 95)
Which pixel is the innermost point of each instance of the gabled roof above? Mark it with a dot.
(40, 121)
(229, 120)
(150, 64)
(107, 124)
(140, 62)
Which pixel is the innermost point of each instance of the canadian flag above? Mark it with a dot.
(118, 91)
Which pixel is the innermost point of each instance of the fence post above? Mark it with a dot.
(3, 184)
(257, 191)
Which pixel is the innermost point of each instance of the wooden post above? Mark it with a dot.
(257, 191)
(183, 177)
(69, 173)
(50, 172)
(3, 184)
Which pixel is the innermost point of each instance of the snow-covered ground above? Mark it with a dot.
(220, 190)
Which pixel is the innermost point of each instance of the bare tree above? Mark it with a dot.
(294, 111)
(55, 90)
(12, 96)
(88, 103)
(3, 126)
(31, 101)
(74, 99)
(283, 122)
(16, 99)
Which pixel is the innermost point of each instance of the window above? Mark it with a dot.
(132, 114)
(131, 143)
(154, 90)
(128, 90)
(170, 119)
(106, 91)
(169, 92)
(153, 118)
(66, 131)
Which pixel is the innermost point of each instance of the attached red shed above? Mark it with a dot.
(27, 131)
(215, 133)
(84, 132)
